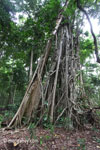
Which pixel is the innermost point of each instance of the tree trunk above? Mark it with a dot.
(31, 66)
(58, 86)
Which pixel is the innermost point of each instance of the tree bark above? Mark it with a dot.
(33, 90)
(31, 66)
(59, 95)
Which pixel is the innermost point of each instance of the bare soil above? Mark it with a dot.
(42, 139)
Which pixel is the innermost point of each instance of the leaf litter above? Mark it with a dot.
(44, 139)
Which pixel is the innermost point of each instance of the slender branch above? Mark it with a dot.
(56, 77)
(60, 114)
(91, 109)
(91, 29)
(96, 2)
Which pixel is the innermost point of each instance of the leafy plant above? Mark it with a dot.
(81, 144)
(32, 131)
(1, 119)
(41, 140)
(96, 139)
(48, 137)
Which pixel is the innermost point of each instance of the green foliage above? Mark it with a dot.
(13, 79)
(32, 131)
(48, 137)
(81, 144)
(65, 122)
(6, 7)
(86, 49)
(48, 15)
(70, 11)
(96, 139)
(95, 130)
(41, 140)
(91, 80)
(47, 125)
(8, 115)
(1, 119)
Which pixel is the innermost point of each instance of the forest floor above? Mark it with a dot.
(57, 139)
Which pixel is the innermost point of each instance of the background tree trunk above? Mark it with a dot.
(31, 66)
